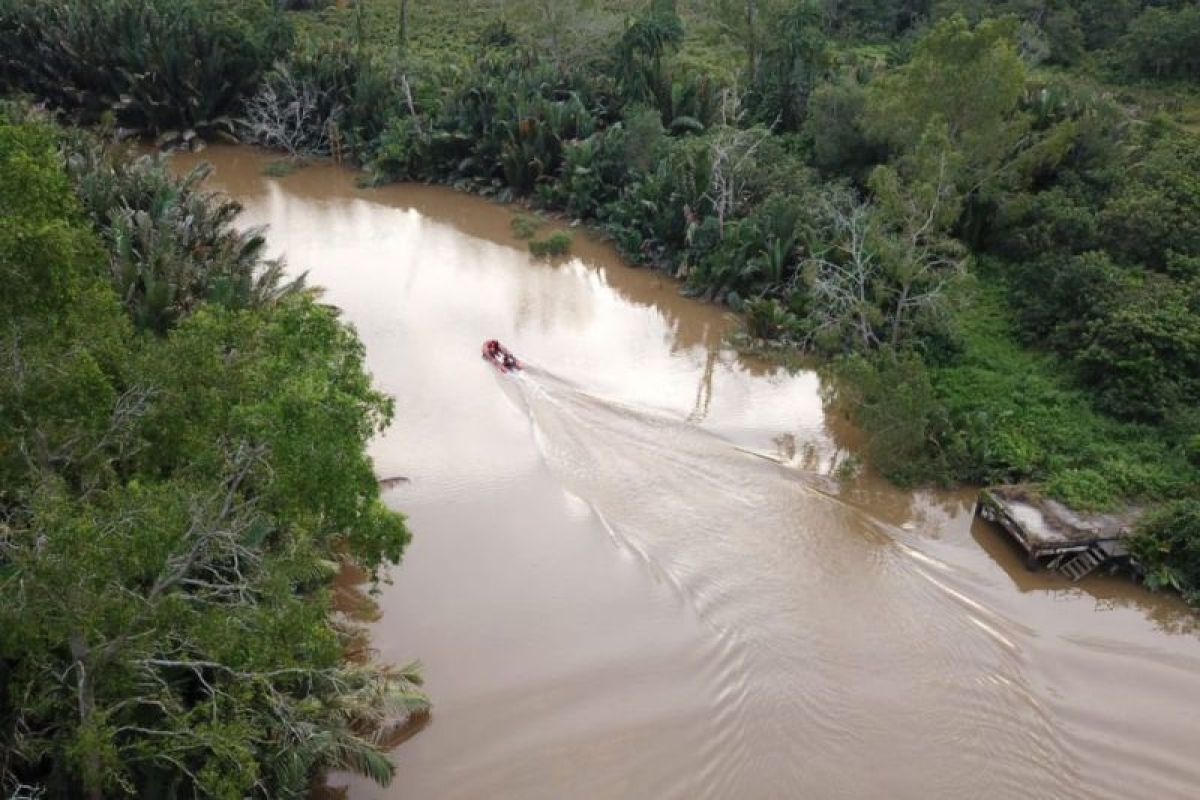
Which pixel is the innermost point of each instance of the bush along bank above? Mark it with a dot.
(182, 467)
(983, 216)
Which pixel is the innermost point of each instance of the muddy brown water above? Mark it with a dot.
(632, 577)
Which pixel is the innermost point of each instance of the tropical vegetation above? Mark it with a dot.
(983, 216)
(182, 472)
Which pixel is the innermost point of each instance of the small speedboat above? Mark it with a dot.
(500, 356)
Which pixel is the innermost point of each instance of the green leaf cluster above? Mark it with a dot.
(556, 243)
(1167, 548)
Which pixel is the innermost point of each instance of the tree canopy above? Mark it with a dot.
(174, 505)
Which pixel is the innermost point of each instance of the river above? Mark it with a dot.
(634, 576)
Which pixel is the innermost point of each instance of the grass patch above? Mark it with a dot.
(525, 226)
(1016, 415)
(556, 244)
(281, 167)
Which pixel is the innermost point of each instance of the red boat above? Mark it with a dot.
(500, 356)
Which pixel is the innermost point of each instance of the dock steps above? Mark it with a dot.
(1053, 536)
(1085, 563)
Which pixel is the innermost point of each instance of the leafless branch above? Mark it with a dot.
(292, 115)
(732, 153)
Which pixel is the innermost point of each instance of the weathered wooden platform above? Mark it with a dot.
(1055, 536)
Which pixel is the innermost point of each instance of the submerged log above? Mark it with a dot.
(392, 483)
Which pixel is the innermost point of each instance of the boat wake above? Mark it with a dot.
(815, 607)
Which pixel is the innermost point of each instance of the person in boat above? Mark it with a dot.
(497, 353)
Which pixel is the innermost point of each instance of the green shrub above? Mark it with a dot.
(1167, 548)
(998, 413)
(557, 243)
(525, 226)
(1153, 210)
(795, 56)
(890, 395)
(1192, 448)
(835, 125)
(594, 169)
(767, 318)
(281, 167)
(1143, 354)
(399, 154)
(1083, 488)
(505, 125)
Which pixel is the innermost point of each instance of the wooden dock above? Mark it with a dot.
(1055, 536)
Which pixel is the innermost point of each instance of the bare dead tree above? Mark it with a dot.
(732, 156)
(292, 115)
(888, 263)
(923, 261)
(843, 276)
(421, 130)
(23, 791)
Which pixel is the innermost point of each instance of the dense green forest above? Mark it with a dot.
(984, 217)
(182, 468)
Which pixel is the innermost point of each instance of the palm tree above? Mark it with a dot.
(172, 244)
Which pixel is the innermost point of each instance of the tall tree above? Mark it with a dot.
(747, 22)
(962, 88)
(794, 59)
(647, 40)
